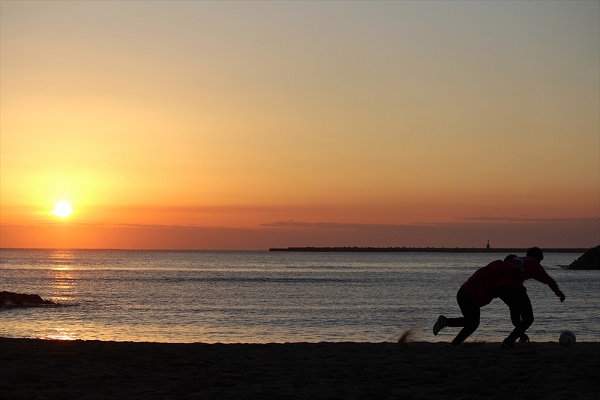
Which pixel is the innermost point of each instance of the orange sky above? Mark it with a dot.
(248, 125)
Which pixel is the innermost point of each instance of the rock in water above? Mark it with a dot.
(10, 299)
(589, 260)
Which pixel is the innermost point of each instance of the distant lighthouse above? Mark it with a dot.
(488, 245)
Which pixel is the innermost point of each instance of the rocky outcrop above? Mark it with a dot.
(589, 260)
(10, 299)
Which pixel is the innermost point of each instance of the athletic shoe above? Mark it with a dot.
(524, 338)
(439, 325)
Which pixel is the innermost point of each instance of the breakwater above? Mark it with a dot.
(425, 249)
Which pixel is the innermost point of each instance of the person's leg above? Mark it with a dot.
(509, 296)
(518, 319)
(469, 322)
(526, 317)
(443, 321)
(460, 321)
(519, 304)
(515, 314)
(526, 312)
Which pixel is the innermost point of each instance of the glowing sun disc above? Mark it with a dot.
(62, 209)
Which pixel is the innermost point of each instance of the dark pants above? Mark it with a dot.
(470, 319)
(521, 311)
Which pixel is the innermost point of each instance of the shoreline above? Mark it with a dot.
(35, 368)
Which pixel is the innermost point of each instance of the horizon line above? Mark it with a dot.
(332, 249)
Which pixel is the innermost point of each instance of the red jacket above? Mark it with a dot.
(525, 268)
(481, 286)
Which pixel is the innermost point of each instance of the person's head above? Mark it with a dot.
(535, 253)
(509, 257)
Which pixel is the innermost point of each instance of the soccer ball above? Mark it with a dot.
(566, 338)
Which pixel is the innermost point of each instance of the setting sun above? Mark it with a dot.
(62, 209)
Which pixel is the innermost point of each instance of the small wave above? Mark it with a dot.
(257, 280)
(12, 306)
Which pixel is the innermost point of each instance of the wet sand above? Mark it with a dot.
(42, 369)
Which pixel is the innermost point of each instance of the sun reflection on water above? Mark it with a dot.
(63, 275)
(62, 258)
(62, 334)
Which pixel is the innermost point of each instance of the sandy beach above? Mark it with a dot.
(42, 369)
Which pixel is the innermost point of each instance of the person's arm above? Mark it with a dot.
(540, 275)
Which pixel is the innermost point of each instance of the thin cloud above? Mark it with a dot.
(530, 220)
(313, 225)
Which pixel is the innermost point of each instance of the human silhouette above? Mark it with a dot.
(512, 291)
(476, 292)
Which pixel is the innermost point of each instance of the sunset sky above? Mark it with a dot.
(249, 125)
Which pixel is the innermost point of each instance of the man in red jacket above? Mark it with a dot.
(512, 291)
(476, 292)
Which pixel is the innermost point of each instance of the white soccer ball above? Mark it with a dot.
(566, 338)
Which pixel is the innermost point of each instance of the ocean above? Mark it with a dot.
(263, 297)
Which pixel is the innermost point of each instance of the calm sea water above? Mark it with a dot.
(260, 296)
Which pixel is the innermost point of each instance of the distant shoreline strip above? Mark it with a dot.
(422, 250)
